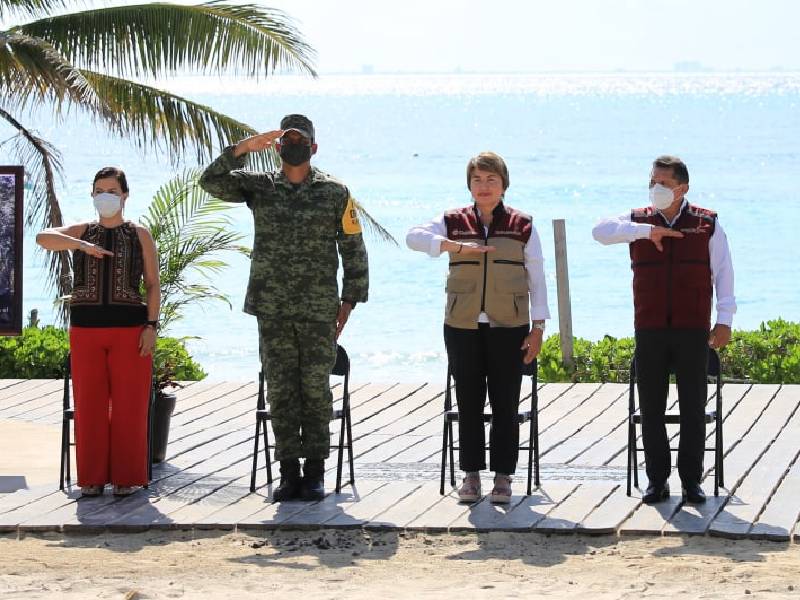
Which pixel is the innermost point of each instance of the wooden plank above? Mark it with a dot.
(34, 401)
(606, 518)
(372, 505)
(568, 427)
(577, 395)
(574, 509)
(14, 395)
(649, 519)
(440, 514)
(5, 383)
(538, 505)
(586, 435)
(332, 506)
(485, 516)
(759, 465)
(693, 519)
(35, 516)
(780, 516)
(407, 509)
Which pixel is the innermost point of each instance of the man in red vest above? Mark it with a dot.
(679, 256)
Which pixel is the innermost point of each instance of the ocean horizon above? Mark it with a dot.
(578, 146)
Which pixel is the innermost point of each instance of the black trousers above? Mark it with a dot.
(487, 358)
(685, 353)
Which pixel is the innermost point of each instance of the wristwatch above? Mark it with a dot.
(154, 324)
(539, 326)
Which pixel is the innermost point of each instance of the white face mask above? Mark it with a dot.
(661, 197)
(107, 204)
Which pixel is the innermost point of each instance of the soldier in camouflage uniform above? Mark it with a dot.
(301, 216)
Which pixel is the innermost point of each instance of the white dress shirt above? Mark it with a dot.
(428, 238)
(617, 230)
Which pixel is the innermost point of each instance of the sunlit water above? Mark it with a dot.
(578, 147)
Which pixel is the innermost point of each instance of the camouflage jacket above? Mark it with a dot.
(298, 229)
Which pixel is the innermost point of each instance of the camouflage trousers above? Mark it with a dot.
(297, 358)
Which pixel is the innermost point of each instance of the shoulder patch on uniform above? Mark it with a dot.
(350, 223)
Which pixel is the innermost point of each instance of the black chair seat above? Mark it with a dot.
(672, 418)
(528, 416)
(675, 418)
(523, 417)
(342, 369)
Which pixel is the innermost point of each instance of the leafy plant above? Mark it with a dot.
(770, 354)
(191, 230)
(40, 353)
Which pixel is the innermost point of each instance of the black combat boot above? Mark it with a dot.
(289, 489)
(313, 487)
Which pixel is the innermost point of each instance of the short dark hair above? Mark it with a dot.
(488, 161)
(118, 174)
(679, 171)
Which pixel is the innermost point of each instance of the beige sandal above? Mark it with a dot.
(91, 491)
(470, 490)
(501, 492)
(125, 490)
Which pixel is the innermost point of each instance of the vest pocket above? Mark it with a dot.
(456, 288)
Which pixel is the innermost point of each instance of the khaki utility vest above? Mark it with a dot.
(496, 282)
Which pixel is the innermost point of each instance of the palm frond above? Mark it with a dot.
(28, 7)
(42, 166)
(162, 38)
(32, 71)
(190, 229)
(155, 118)
(373, 226)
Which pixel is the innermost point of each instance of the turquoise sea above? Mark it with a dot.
(578, 146)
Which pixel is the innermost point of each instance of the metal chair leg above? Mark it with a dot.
(452, 456)
(64, 451)
(631, 442)
(255, 455)
(340, 456)
(267, 456)
(444, 456)
(349, 425)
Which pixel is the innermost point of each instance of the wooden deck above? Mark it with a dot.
(204, 482)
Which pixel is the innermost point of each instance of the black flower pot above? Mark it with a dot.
(162, 412)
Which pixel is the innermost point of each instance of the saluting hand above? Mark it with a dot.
(658, 233)
(257, 143)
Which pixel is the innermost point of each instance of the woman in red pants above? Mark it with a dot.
(112, 335)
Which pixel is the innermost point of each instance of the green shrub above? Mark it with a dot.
(39, 353)
(770, 354)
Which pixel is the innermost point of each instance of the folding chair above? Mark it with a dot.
(263, 414)
(529, 416)
(66, 429)
(711, 416)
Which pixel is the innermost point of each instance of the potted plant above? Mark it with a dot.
(191, 229)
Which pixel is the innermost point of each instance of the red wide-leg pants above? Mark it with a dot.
(111, 386)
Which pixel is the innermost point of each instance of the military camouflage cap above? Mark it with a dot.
(299, 123)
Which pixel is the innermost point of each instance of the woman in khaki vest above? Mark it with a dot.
(495, 286)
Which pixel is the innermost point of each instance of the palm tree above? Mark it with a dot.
(89, 61)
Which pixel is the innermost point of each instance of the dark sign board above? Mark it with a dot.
(12, 180)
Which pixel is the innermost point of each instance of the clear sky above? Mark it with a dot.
(552, 35)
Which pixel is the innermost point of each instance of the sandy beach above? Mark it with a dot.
(359, 564)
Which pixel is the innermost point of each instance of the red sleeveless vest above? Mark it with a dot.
(673, 288)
